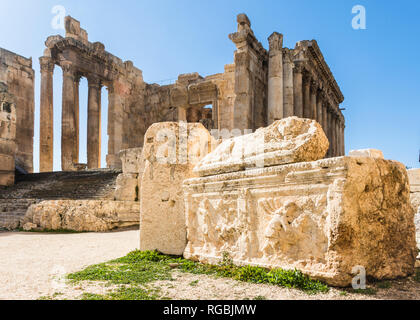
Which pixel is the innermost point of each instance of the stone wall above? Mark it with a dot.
(16, 71)
(7, 137)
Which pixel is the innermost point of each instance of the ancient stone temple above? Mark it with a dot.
(7, 136)
(17, 73)
(261, 86)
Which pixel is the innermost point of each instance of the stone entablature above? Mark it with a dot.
(17, 73)
(7, 136)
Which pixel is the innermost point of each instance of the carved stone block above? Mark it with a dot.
(323, 218)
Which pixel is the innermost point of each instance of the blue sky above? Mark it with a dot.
(378, 69)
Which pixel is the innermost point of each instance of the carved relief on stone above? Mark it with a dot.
(322, 217)
(294, 221)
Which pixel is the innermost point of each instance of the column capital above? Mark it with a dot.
(46, 64)
(275, 41)
(306, 77)
(77, 77)
(321, 95)
(314, 85)
(298, 67)
(94, 81)
(67, 68)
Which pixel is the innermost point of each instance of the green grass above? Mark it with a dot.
(141, 267)
(367, 291)
(124, 293)
(384, 285)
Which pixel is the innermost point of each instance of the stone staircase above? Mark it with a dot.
(34, 188)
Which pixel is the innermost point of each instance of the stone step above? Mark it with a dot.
(34, 188)
(13, 210)
(84, 185)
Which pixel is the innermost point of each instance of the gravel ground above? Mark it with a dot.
(33, 264)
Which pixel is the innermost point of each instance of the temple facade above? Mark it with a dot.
(261, 86)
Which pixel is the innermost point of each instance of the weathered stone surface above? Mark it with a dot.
(17, 73)
(7, 136)
(323, 217)
(371, 153)
(170, 152)
(127, 188)
(131, 160)
(414, 178)
(285, 141)
(82, 215)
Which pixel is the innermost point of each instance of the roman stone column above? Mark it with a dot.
(298, 89)
(182, 114)
(333, 135)
(288, 95)
(275, 78)
(319, 108)
(46, 127)
(307, 112)
(324, 114)
(329, 130)
(76, 114)
(94, 123)
(68, 122)
(314, 92)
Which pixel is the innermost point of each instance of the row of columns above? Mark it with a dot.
(293, 91)
(70, 118)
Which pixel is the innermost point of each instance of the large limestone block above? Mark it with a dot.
(171, 150)
(82, 215)
(414, 178)
(285, 141)
(131, 160)
(370, 153)
(127, 188)
(323, 217)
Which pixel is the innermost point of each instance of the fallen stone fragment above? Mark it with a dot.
(286, 141)
(82, 215)
(371, 153)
